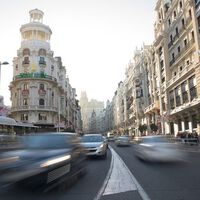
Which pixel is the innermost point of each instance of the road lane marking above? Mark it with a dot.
(119, 179)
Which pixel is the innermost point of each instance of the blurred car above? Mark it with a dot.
(158, 148)
(43, 162)
(123, 141)
(95, 145)
(8, 142)
(106, 140)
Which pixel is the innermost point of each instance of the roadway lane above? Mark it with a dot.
(165, 181)
(85, 188)
(88, 186)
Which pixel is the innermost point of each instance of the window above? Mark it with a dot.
(42, 52)
(163, 104)
(186, 121)
(41, 87)
(42, 61)
(184, 90)
(190, 14)
(194, 121)
(179, 49)
(25, 86)
(25, 102)
(174, 73)
(192, 86)
(192, 35)
(180, 4)
(171, 38)
(173, 57)
(179, 125)
(183, 22)
(26, 60)
(24, 117)
(174, 14)
(26, 52)
(177, 31)
(178, 97)
(185, 42)
(181, 68)
(169, 22)
(42, 117)
(171, 97)
(41, 102)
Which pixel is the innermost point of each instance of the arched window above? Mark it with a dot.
(26, 52)
(41, 87)
(42, 52)
(41, 102)
(25, 86)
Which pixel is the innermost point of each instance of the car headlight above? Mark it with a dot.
(101, 146)
(55, 161)
(9, 159)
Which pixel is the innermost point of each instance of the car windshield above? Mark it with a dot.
(92, 138)
(47, 141)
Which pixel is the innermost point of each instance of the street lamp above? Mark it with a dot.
(2, 63)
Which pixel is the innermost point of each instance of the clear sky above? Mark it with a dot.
(95, 39)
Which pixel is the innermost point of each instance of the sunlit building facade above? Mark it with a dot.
(40, 92)
(177, 53)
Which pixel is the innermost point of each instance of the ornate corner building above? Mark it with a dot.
(40, 92)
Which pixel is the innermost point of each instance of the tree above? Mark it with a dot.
(142, 128)
(153, 127)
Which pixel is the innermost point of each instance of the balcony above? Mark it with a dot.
(42, 63)
(154, 107)
(34, 107)
(34, 76)
(42, 92)
(25, 63)
(25, 92)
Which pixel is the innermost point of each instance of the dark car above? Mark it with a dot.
(43, 162)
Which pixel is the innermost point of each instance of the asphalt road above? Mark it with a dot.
(121, 176)
(167, 181)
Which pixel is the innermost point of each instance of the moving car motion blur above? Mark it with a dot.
(158, 148)
(95, 145)
(123, 141)
(43, 162)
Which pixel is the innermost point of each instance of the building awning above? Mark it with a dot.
(7, 121)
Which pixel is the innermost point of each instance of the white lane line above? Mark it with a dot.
(120, 179)
(106, 179)
(119, 169)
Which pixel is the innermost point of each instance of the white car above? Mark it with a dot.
(123, 141)
(95, 145)
(158, 148)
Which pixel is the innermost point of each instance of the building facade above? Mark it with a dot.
(40, 92)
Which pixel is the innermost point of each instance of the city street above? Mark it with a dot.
(174, 181)
(124, 176)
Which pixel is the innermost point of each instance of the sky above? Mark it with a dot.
(96, 39)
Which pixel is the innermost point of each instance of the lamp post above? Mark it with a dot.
(2, 63)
